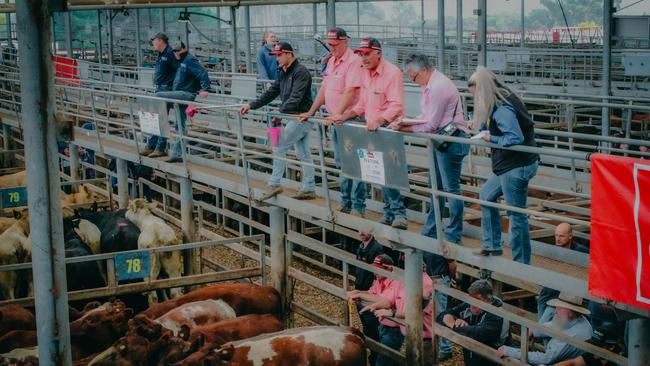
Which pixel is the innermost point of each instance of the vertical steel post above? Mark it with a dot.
(100, 47)
(331, 14)
(441, 35)
(233, 34)
(109, 22)
(6, 137)
(74, 161)
(138, 44)
(186, 30)
(314, 14)
(67, 26)
(358, 20)
(522, 41)
(192, 265)
(607, 63)
(482, 32)
(277, 216)
(638, 341)
(413, 306)
(34, 33)
(163, 23)
(8, 26)
(247, 38)
(122, 173)
(459, 37)
(422, 22)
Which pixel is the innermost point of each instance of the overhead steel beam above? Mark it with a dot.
(34, 31)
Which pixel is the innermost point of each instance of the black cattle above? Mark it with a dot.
(82, 275)
(117, 233)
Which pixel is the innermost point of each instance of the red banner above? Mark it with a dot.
(619, 266)
(66, 70)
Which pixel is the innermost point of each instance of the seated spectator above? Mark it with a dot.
(368, 250)
(563, 239)
(382, 330)
(569, 319)
(607, 336)
(473, 322)
(394, 307)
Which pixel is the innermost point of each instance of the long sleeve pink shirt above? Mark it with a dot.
(382, 93)
(439, 100)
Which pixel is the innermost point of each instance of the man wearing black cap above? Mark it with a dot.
(293, 85)
(381, 102)
(339, 92)
(163, 78)
(191, 79)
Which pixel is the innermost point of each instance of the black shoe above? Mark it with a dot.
(496, 252)
(174, 160)
(486, 253)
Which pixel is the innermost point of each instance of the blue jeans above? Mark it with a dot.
(393, 204)
(391, 337)
(158, 142)
(444, 345)
(180, 123)
(513, 185)
(294, 134)
(448, 167)
(353, 192)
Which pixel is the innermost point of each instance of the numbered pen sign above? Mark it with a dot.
(372, 166)
(150, 122)
(132, 266)
(14, 197)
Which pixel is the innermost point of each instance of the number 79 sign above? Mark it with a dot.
(132, 266)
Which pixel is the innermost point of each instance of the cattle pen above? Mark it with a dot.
(75, 115)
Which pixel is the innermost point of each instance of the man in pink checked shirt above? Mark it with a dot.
(381, 102)
(441, 106)
(339, 92)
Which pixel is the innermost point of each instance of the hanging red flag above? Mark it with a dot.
(619, 267)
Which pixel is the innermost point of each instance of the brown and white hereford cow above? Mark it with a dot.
(5, 223)
(244, 298)
(195, 314)
(315, 346)
(99, 328)
(16, 317)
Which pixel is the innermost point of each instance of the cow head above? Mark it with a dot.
(139, 210)
(22, 218)
(100, 327)
(173, 349)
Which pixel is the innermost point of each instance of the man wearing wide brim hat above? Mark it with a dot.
(570, 319)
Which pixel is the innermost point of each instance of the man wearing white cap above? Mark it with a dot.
(570, 319)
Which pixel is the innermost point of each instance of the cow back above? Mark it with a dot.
(242, 297)
(16, 317)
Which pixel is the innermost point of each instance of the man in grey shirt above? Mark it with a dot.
(569, 319)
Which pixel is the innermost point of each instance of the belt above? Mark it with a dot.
(437, 277)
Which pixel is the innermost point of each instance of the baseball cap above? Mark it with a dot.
(178, 45)
(336, 35)
(605, 335)
(368, 44)
(281, 47)
(383, 261)
(161, 36)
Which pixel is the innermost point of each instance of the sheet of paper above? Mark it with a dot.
(372, 166)
(411, 121)
(479, 135)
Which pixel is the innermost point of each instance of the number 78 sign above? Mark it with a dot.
(619, 267)
(132, 266)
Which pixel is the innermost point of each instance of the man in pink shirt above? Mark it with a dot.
(395, 307)
(339, 92)
(382, 288)
(441, 108)
(381, 102)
